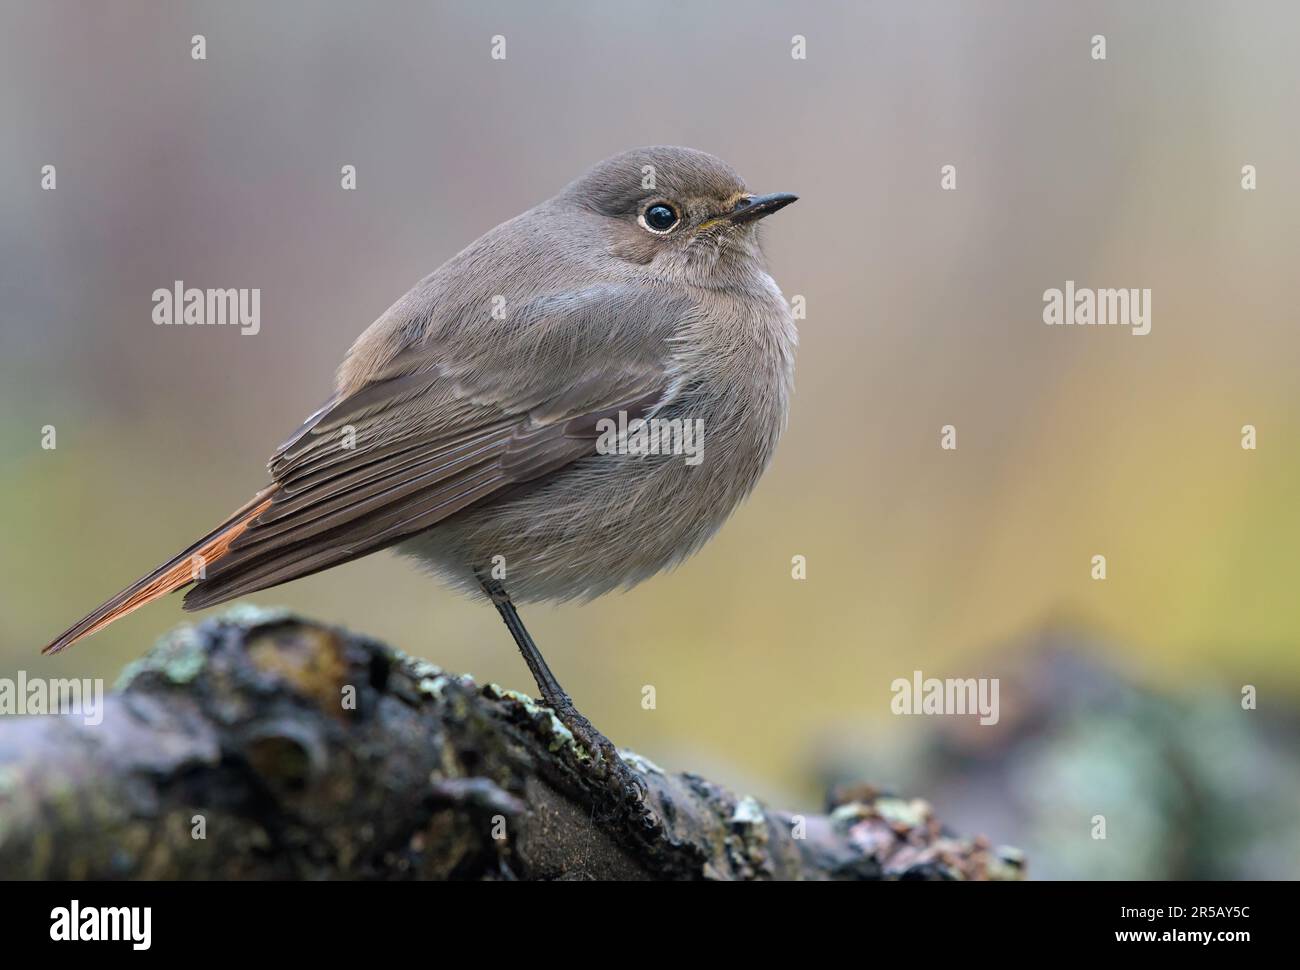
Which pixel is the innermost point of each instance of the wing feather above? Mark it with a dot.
(399, 455)
(437, 409)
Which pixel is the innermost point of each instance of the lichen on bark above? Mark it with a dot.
(258, 745)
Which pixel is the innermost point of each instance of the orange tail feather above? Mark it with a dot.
(172, 575)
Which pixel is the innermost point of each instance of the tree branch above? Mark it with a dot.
(298, 751)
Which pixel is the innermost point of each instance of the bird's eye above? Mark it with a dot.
(660, 217)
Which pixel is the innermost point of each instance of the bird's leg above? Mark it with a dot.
(553, 694)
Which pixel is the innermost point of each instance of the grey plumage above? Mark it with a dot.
(459, 435)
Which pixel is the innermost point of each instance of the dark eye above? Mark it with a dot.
(660, 217)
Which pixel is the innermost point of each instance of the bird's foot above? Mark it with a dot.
(620, 780)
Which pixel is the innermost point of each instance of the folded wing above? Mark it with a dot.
(439, 430)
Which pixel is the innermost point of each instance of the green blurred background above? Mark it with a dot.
(924, 309)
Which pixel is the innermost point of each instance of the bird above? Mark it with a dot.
(483, 424)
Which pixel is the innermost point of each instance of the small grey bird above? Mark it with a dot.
(471, 424)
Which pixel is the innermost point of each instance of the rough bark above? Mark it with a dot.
(303, 752)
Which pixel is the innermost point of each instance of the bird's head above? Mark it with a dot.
(684, 213)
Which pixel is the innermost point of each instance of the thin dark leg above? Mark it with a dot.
(552, 693)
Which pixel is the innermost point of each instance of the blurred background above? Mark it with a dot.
(924, 308)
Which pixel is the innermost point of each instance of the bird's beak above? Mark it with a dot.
(758, 206)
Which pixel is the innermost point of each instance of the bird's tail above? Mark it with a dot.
(178, 572)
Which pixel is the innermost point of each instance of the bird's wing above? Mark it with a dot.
(446, 423)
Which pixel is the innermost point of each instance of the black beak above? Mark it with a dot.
(758, 206)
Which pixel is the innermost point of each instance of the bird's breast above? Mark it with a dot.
(651, 497)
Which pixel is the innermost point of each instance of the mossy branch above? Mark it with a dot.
(261, 746)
